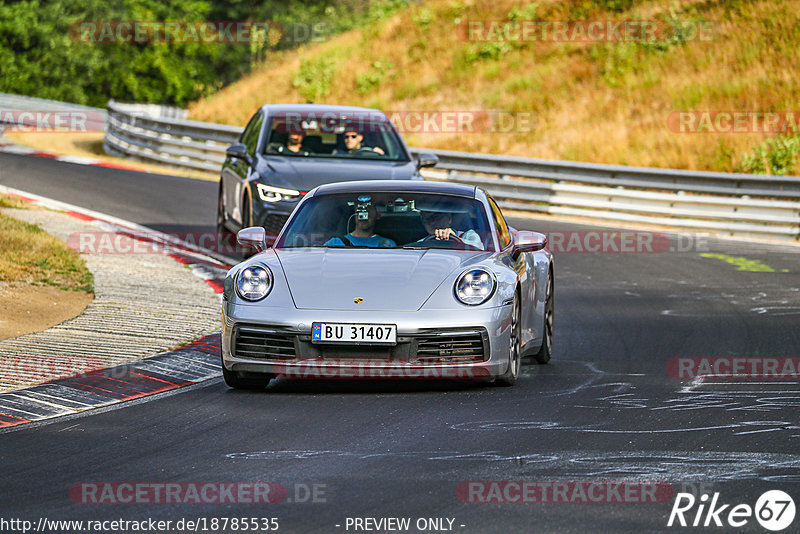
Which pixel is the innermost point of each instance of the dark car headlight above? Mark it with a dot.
(475, 286)
(254, 282)
(267, 193)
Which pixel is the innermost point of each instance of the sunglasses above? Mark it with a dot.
(350, 136)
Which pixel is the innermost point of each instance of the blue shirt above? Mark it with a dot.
(373, 241)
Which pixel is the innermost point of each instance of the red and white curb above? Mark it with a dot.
(196, 362)
(207, 264)
(190, 364)
(11, 148)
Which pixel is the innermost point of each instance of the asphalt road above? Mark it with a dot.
(607, 408)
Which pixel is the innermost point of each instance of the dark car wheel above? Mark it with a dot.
(546, 352)
(247, 210)
(509, 378)
(247, 222)
(226, 240)
(237, 382)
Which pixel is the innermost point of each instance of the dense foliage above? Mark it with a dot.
(42, 54)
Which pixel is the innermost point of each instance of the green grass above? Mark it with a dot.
(778, 155)
(603, 102)
(30, 255)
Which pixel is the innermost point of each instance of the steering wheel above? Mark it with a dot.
(454, 237)
(365, 150)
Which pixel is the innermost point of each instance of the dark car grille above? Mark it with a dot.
(263, 345)
(273, 223)
(451, 348)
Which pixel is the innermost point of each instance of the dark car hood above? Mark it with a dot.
(391, 280)
(307, 173)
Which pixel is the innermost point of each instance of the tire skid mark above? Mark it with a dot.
(670, 466)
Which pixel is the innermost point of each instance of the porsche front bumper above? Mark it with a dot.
(467, 343)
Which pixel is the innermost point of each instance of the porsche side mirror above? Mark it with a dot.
(253, 236)
(427, 160)
(239, 151)
(526, 241)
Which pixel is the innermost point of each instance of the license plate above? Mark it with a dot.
(356, 333)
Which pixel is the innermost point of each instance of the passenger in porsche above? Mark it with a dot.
(363, 235)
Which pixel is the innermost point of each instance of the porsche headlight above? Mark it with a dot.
(254, 282)
(274, 194)
(475, 286)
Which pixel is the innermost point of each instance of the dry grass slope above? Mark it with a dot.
(603, 102)
(29, 255)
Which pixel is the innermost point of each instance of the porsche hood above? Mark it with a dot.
(388, 280)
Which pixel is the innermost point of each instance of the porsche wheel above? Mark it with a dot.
(509, 378)
(546, 352)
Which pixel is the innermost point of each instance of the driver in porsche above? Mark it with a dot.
(437, 224)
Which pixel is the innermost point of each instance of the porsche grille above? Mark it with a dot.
(457, 347)
(264, 345)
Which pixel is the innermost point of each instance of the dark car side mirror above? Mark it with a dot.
(526, 241)
(427, 160)
(239, 150)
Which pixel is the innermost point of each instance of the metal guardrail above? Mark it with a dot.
(742, 205)
(157, 134)
(12, 106)
(30, 103)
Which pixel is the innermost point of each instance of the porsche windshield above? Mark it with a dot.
(389, 220)
(334, 135)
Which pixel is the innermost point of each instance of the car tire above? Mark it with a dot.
(226, 240)
(509, 378)
(237, 382)
(546, 351)
(247, 222)
(246, 211)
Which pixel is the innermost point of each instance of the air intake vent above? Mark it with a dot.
(457, 347)
(259, 345)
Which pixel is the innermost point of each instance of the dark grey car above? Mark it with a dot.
(268, 171)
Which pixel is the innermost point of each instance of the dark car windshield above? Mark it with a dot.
(388, 220)
(334, 135)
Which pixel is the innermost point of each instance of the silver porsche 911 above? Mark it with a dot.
(389, 279)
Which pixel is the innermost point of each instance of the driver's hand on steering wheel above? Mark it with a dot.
(444, 233)
(378, 150)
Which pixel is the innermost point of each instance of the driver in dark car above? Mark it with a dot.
(437, 224)
(353, 141)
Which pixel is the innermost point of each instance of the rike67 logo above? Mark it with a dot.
(774, 510)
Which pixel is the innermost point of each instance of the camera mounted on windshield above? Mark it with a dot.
(362, 207)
